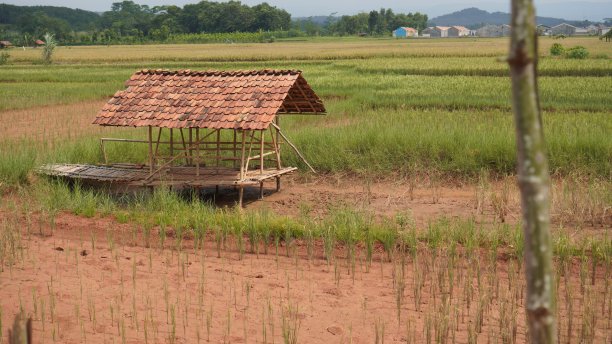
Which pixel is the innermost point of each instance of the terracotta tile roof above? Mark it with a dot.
(247, 100)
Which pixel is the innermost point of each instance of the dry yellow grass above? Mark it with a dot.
(313, 49)
(50, 123)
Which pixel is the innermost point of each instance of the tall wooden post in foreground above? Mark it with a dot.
(533, 177)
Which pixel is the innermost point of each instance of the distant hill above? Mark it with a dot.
(474, 18)
(77, 19)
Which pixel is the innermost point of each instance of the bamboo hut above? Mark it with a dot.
(204, 128)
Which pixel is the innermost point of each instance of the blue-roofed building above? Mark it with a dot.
(405, 32)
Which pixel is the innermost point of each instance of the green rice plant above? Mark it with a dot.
(209, 316)
(329, 243)
(577, 52)
(4, 57)
(399, 285)
(290, 324)
(369, 241)
(15, 168)
(387, 235)
(239, 234)
(253, 232)
(418, 283)
(309, 237)
(557, 49)
(379, 331)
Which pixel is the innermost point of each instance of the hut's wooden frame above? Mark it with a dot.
(205, 156)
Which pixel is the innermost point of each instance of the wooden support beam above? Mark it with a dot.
(261, 152)
(171, 142)
(198, 152)
(151, 149)
(190, 143)
(246, 167)
(261, 190)
(218, 147)
(240, 196)
(186, 153)
(294, 147)
(235, 152)
(173, 157)
(242, 172)
(103, 152)
(158, 141)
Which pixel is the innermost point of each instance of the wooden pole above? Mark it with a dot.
(103, 151)
(218, 149)
(533, 177)
(190, 144)
(158, 141)
(198, 152)
(240, 196)
(276, 145)
(294, 148)
(261, 163)
(171, 143)
(185, 150)
(235, 152)
(261, 153)
(150, 149)
(243, 153)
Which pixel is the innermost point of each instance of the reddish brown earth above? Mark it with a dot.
(93, 269)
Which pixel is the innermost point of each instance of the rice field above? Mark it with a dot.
(420, 115)
(412, 111)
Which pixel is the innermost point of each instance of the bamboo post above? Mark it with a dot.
(103, 151)
(243, 153)
(276, 145)
(533, 177)
(198, 152)
(235, 152)
(150, 149)
(240, 196)
(171, 143)
(169, 162)
(248, 157)
(218, 149)
(190, 144)
(261, 163)
(185, 150)
(158, 140)
(294, 148)
(261, 153)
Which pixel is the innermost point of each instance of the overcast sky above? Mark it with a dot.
(573, 10)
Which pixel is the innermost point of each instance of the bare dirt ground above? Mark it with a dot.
(90, 281)
(383, 198)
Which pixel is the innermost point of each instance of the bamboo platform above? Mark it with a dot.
(139, 175)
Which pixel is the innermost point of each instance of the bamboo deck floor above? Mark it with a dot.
(137, 175)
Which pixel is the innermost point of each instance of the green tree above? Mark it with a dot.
(48, 48)
(39, 23)
(270, 18)
(127, 17)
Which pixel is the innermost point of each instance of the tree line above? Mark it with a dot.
(129, 22)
